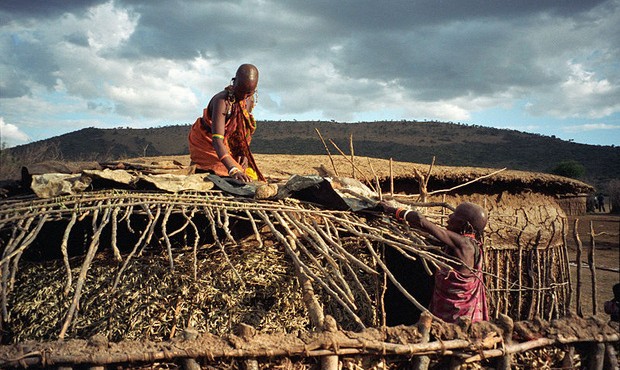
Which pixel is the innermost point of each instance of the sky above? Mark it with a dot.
(546, 67)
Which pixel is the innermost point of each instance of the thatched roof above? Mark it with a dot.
(282, 166)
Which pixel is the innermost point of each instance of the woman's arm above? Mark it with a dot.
(458, 245)
(218, 119)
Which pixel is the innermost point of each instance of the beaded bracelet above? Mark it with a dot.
(233, 170)
(217, 136)
(398, 211)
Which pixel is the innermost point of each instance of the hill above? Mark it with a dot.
(407, 141)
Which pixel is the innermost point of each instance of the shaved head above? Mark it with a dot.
(246, 80)
(471, 213)
(247, 72)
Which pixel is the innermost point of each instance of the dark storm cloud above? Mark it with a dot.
(445, 63)
(183, 30)
(372, 14)
(24, 61)
(332, 59)
(43, 8)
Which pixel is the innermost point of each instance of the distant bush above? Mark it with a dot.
(572, 169)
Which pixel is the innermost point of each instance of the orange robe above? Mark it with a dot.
(238, 130)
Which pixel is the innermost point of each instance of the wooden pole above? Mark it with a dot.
(596, 357)
(189, 363)
(507, 325)
(329, 362)
(578, 257)
(592, 264)
(327, 150)
(391, 178)
(611, 357)
(317, 317)
(566, 264)
(352, 156)
(424, 328)
(567, 360)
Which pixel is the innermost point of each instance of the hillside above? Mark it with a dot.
(406, 141)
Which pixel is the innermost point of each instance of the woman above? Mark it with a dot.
(459, 291)
(219, 141)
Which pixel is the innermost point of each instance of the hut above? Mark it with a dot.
(136, 263)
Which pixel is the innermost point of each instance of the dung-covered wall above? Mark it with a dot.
(526, 269)
(574, 205)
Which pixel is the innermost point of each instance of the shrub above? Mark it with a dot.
(572, 169)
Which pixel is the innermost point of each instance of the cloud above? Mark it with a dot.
(590, 127)
(11, 134)
(43, 8)
(146, 61)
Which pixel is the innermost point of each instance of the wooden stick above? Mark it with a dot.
(368, 181)
(592, 264)
(391, 177)
(396, 283)
(307, 270)
(216, 239)
(340, 286)
(424, 328)
(317, 344)
(467, 183)
(578, 257)
(328, 153)
(90, 254)
(309, 298)
(65, 254)
(376, 178)
(143, 237)
(566, 261)
(349, 306)
(255, 229)
(113, 238)
(166, 238)
(196, 241)
(352, 155)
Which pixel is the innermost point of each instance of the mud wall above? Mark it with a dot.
(573, 205)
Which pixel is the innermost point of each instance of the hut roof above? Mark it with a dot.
(281, 166)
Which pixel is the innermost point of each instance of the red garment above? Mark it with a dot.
(238, 130)
(457, 294)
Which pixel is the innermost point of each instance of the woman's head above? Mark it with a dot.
(245, 81)
(468, 218)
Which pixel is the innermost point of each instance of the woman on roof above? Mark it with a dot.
(459, 291)
(219, 141)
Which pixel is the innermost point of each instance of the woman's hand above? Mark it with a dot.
(241, 176)
(387, 207)
(243, 161)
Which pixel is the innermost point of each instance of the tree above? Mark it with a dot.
(572, 169)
